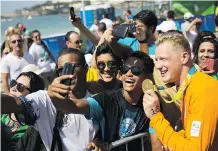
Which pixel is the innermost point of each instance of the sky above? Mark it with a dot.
(8, 6)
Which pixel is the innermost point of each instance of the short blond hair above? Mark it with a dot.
(14, 31)
(177, 38)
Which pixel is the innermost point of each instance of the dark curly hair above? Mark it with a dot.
(147, 17)
(204, 36)
(106, 49)
(148, 62)
(36, 82)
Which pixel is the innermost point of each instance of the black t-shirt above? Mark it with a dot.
(99, 86)
(118, 118)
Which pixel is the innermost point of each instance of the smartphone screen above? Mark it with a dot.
(72, 13)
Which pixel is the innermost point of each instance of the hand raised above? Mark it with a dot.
(151, 103)
(140, 33)
(77, 22)
(56, 88)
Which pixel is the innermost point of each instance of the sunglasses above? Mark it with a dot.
(110, 64)
(18, 41)
(37, 36)
(78, 41)
(19, 86)
(135, 70)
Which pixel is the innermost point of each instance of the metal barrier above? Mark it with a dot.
(127, 140)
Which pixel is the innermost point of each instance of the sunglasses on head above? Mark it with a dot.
(110, 64)
(78, 41)
(18, 41)
(19, 86)
(135, 70)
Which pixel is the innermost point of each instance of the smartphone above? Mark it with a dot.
(72, 13)
(131, 29)
(209, 64)
(68, 69)
(120, 31)
(215, 65)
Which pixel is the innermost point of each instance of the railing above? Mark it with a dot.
(127, 140)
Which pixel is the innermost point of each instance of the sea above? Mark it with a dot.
(49, 26)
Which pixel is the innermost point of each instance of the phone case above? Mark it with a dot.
(209, 63)
(72, 13)
(120, 31)
(68, 69)
(216, 65)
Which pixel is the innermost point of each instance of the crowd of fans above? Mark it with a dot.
(105, 101)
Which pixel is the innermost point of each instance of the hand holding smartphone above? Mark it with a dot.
(68, 69)
(120, 31)
(72, 13)
(209, 64)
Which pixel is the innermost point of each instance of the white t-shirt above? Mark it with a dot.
(107, 22)
(76, 132)
(93, 28)
(40, 57)
(13, 64)
(191, 35)
(184, 26)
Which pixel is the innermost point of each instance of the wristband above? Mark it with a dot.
(143, 41)
(151, 130)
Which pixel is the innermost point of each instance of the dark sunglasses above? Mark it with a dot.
(135, 70)
(78, 41)
(19, 86)
(37, 36)
(18, 41)
(110, 64)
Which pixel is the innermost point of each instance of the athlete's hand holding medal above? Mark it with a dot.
(151, 101)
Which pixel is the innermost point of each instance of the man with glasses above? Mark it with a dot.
(40, 52)
(73, 40)
(119, 113)
(76, 131)
(15, 61)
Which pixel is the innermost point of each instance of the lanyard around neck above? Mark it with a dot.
(182, 87)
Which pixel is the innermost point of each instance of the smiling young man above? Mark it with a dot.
(120, 112)
(197, 100)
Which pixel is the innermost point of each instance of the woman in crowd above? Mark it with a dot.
(26, 83)
(108, 66)
(205, 48)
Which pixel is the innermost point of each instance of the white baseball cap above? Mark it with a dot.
(188, 15)
(33, 68)
(166, 26)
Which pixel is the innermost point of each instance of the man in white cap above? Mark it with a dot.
(169, 24)
(187, 18)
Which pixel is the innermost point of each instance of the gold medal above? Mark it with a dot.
(147, 85)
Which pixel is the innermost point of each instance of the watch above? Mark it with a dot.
(143, 41)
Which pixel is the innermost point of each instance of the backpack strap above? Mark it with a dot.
(56, 134)
(49, 52)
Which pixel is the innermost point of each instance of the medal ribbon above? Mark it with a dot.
(182, 87)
